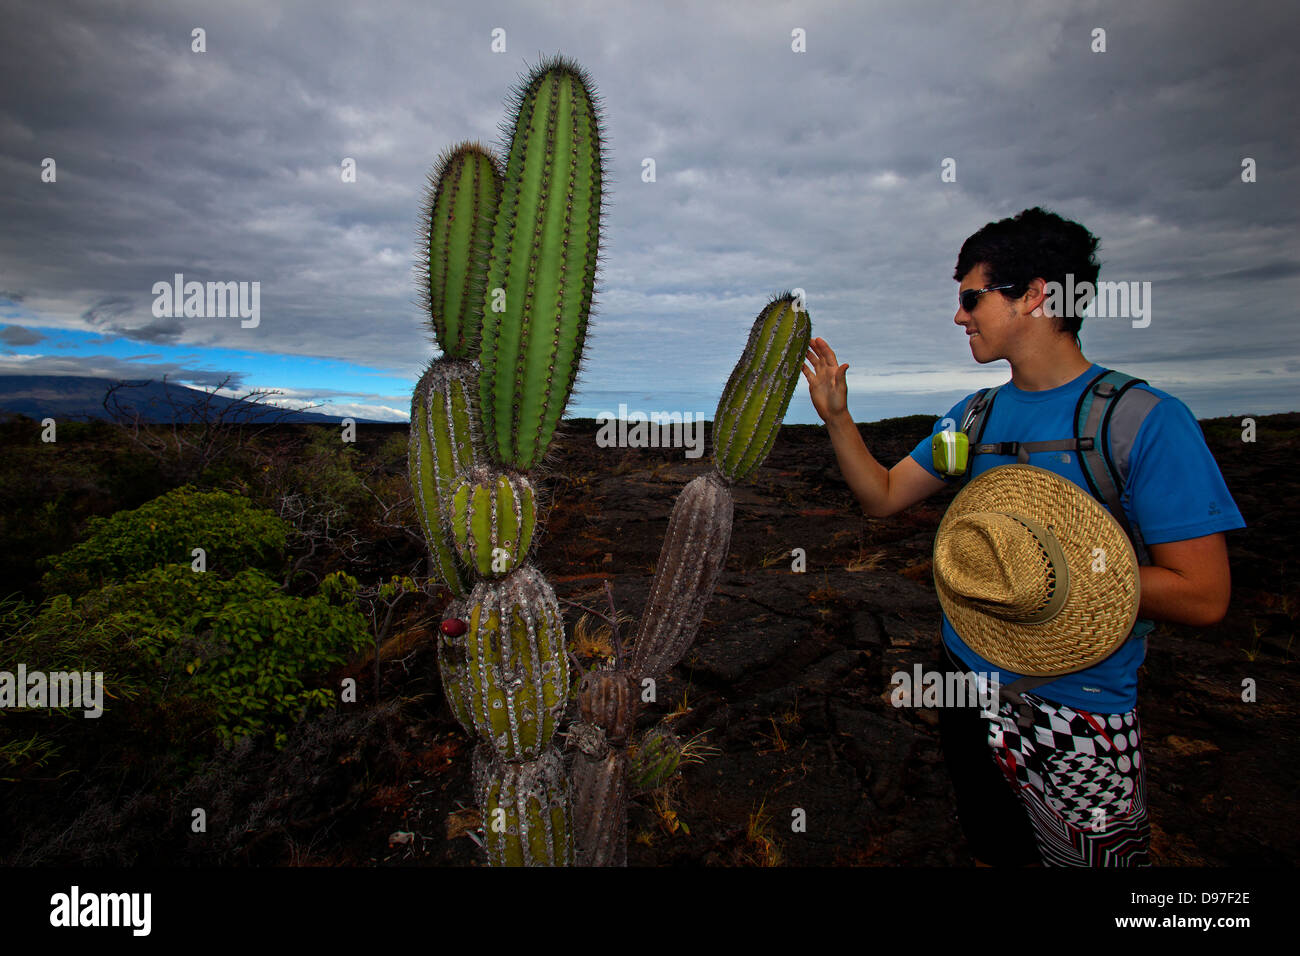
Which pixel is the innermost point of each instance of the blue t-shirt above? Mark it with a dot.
(1174, 491)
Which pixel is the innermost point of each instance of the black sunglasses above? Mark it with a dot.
(968, 298)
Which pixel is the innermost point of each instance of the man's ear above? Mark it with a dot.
(1034, 297)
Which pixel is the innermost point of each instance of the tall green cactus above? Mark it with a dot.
(519, 303)
(510, 265)
(542, 268)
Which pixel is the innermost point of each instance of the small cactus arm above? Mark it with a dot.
(542, 266)
(460, 208)
(758, 393)
(699, 531)
(690, 562)
(656, 759)
(444, 442)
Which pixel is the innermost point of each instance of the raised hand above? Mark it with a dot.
(826, 383)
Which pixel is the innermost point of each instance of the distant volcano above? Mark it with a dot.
(80, 398)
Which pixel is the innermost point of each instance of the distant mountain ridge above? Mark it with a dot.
(81, 397)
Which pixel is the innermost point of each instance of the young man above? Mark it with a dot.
(1034, 795)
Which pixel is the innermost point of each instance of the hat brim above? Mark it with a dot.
(1101, 605)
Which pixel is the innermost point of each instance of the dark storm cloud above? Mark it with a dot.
(17, 335)
(103, 316)
(772, 169)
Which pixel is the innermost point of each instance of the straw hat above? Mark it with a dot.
(1019, 575)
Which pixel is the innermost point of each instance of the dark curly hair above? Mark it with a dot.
(1033, 244)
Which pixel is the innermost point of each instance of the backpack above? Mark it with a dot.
(1103, 438)
(1104, 432)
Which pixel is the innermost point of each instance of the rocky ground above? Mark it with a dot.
(785, 694)
(788, 682)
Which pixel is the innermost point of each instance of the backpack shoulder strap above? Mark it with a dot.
(977, 409)
(1106, 430)
(973, 421)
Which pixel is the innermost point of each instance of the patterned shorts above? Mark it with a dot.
(1081, 779)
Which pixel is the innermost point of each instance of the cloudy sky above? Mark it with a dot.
(774, 168)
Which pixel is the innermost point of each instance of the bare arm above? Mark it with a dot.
(881, 492)
(1189, 581)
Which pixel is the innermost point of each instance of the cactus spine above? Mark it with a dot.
(510, 281)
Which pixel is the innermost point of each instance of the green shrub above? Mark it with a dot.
(240, 647)
(233, 533)
(186, 657)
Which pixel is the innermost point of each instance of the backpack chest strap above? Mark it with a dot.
(1022, 449)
